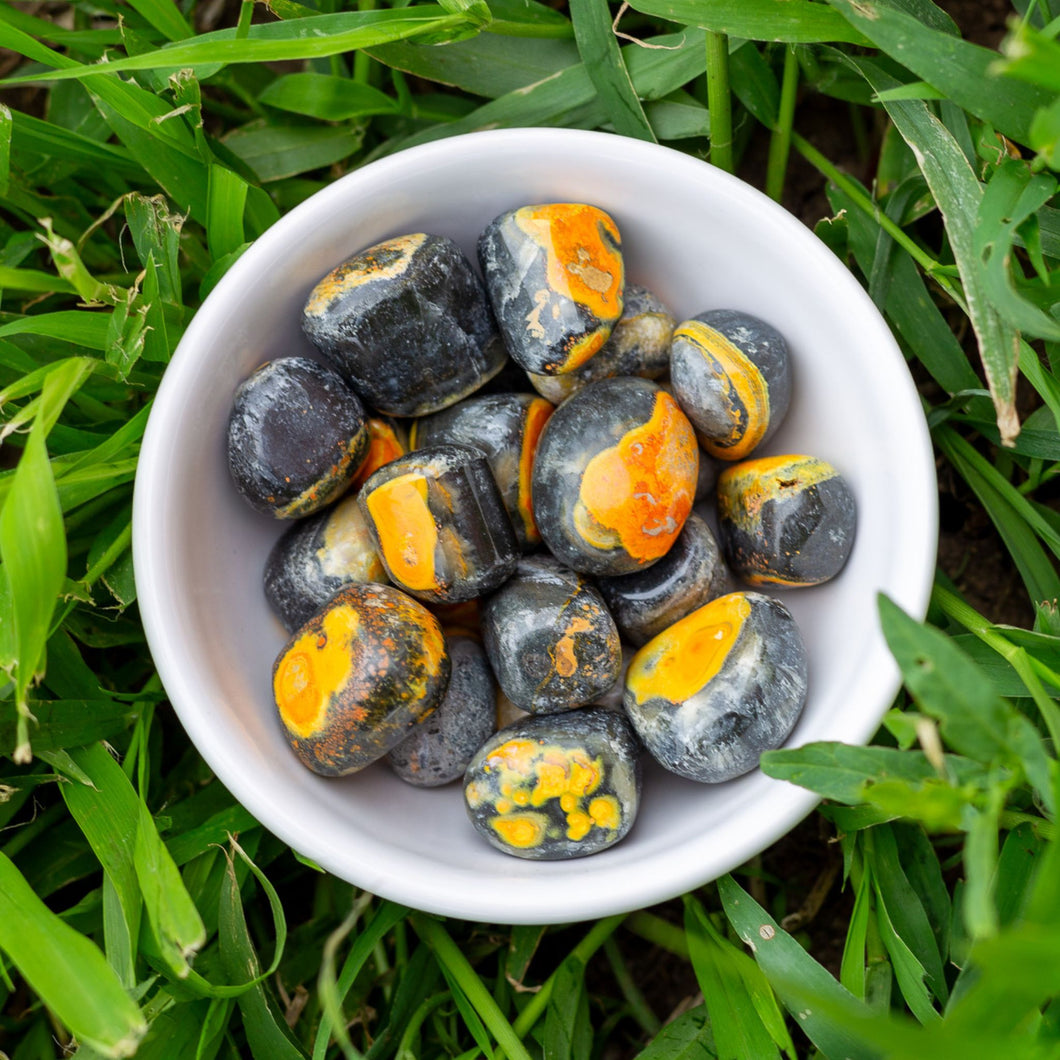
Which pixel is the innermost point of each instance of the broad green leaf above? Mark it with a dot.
(1032, 57)
(678, 119)
(843, 772)
(164, 16)
(156, 235)
(67, 722)
(226, 199)
(852, 966)
(601, 56)
(960, 69)
(1019, 860)
(176, 1032)
(687, 1037)
(791, 21)
(527, 19)
(787, 966)
(958, 194)
(327, 97)
(66, 970)
(486, 65)
(568, 1033)
(1013, 194)
(274, 151)
(6, 130)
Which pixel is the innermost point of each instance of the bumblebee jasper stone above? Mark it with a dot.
(296, 437)
(555, 276)
(554, 787)
(785, 520)
(506, 428)
(439, 523)
(407, 322)
(639, 345)
(691, 574)
(315, 558)
(353, 681)
(731, 373)
(550, 639)
(438, 750)
(615, 476)
(711, 693)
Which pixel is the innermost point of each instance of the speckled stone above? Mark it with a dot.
(407, 322)
(315, 558)
(639, 345)
(549, 638)
(439, 524)
(506, 427)
(440, 747)
(615, 476)
(731, 373)
(555, 278)
(296, 437)
(350, 684)
(691, 574)
(556, 787)
(711, 693)
(786, 521)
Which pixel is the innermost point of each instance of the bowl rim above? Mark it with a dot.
(639, 889)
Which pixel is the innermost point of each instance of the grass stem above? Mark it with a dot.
(719, 101)
(780, 141)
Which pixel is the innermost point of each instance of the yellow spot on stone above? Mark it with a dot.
(745, 487)
(681, 660)
(503, 806)
(551, 783)
(565, 658)
(637, 493)
(585, 775)
(568, 801)
(521, 830)
(605, 811)
(514, 755)
(313, 669)
(408, 534)
(536, 417)
(578, 825)
(474, 795)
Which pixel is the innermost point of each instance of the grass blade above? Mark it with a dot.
(602, 57)
(67, 970)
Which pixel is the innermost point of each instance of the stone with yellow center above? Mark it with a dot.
(711, 693)
(556, 786)
(350, 684)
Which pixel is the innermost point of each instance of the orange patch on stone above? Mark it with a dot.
(408, 535)
(384, 445)
(637, 494)
(536, 417)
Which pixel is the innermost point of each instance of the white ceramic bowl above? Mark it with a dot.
(700, 239)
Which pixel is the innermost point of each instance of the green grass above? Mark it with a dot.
(132, 921)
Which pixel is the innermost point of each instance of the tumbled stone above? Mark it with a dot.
(318, 556)
(615, 476)
(691, 574)
(639, 345)
(350, 684)
(731, 373)
(408, 324)
(296, 437)
(506, 427)
(439, 749)
(556, 787)
(555, 277)
(550, 639)
(439, 524)
(786, 521)
(709, 694)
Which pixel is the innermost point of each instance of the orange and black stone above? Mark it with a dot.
(439, 524)
(615, 476)
(438, 750)
(555, 277)
(639, 345)
(731, 373)
(557, 786)
(387, 441)
(408, 323)
(316, 557)
(350, 684)
(506, 427)
(786, 521)
(550, 639)
(296, 437)
(713, 691)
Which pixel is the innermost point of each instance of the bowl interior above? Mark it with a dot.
(700, 239)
